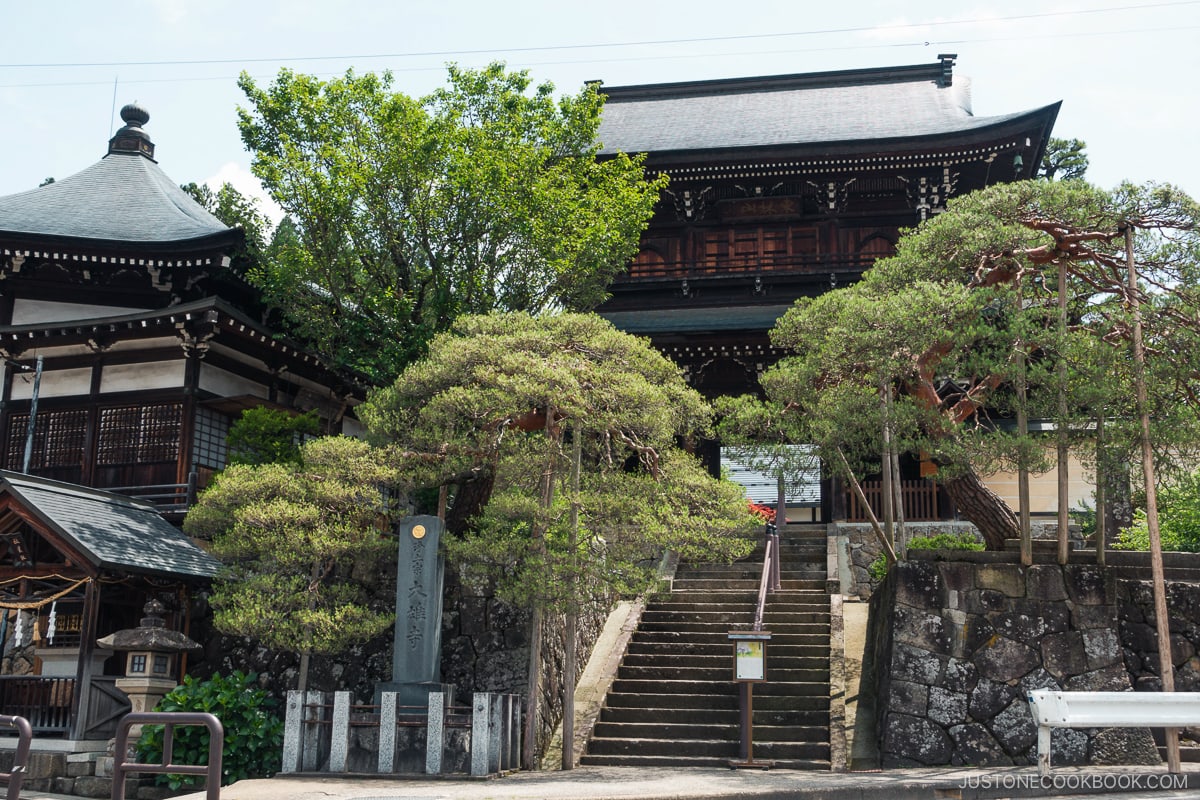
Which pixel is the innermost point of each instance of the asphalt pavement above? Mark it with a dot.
(669, 783)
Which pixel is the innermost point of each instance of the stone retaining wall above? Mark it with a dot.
(954, 645)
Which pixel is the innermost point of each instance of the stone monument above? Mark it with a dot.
(416, 652)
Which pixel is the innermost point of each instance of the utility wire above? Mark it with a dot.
(644, 43)
(621, 59)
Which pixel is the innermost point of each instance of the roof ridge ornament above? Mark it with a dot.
(947, 60)
(131, 139)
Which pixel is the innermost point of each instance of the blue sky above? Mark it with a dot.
(1125, 71)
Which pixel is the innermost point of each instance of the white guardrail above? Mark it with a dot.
(1053, 709)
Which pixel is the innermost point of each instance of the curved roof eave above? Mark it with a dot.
(1039, 120)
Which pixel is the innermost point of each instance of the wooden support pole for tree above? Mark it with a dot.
(1165, 665)
(533, 704)
(1022, 469)
(569, 635)
(885, 488)
(1101, 495)
(1064, 519)
(888, 551)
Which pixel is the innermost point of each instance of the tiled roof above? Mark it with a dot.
(124, 197)
(695, 320)
(788, 110)
(115, 532)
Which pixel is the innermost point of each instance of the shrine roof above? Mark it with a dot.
(124, 198)
(111, 530)
(696, 320)
(828, 108)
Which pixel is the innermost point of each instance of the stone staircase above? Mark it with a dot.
(674, 701)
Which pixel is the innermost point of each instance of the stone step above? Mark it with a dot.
(720, 616)
(722, 672)
(713, 748)
(768, 689)
(694, 638)
(780, 627)
(817, 661)
(711, 716)
(686, 761)
(710, 730)
(720, 701)
(725, 650)
(742, 585)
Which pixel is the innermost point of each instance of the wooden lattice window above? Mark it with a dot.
(139, 434)
(58, 439)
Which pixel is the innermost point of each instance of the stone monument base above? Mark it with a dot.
(413, 693)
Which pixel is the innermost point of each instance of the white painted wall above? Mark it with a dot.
(55, 383)
(226, 384)
(139, 377)
(28, 312)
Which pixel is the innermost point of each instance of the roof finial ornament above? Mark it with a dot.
(131, 139)
(947, 60)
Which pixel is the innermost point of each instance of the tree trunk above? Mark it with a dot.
(979, 504)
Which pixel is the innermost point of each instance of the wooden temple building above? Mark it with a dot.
(788, 186)
(130, 343)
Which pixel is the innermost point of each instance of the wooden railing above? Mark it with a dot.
(748, 264)
(920, 501)
(170, 498)
(45, 702)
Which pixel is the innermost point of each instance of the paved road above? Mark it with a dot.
(625, 783)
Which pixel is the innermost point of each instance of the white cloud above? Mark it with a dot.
(244, 181)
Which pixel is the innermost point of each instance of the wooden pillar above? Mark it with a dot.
(83, 669)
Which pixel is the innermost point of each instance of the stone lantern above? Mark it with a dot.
(152, 651)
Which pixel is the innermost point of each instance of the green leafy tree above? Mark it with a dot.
(1064, 160)
(270, 436)
(1179, 506)
(967, 309)
(485, 195)
(237, 211)
(574, 426)
(290, 537)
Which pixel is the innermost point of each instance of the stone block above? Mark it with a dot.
(914, 664)
(1125, 746)
(1020, 627)
(984, 601)
(1101, 647)
(1112, 678)
(915, 739)
(918, 584)
(989, 698)
(94, 787)
(77, 768)
(957, 576)
(974, 746)
(1045, 582)
(46, 765)
(960, 674)
(1063, 655)
(921, 629)
(1003, 660)
(947, 708)
(1068, 746)
(64, 785)
(977, 633)
(1008, 579)
(905, 697)
(1014, 728)
(1038, 678)
(1086, 584)
(104, 767)
(1086, 617)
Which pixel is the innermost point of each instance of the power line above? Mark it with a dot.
(644, 43)
(709, 55)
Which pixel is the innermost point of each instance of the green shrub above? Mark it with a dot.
(946, 541)
(1178, 518)
(878, 569)
(253, 733)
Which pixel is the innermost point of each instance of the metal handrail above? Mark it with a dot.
(21, 758)
(169, 721)
(767, 579)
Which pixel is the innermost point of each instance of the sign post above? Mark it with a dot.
(749, 668)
